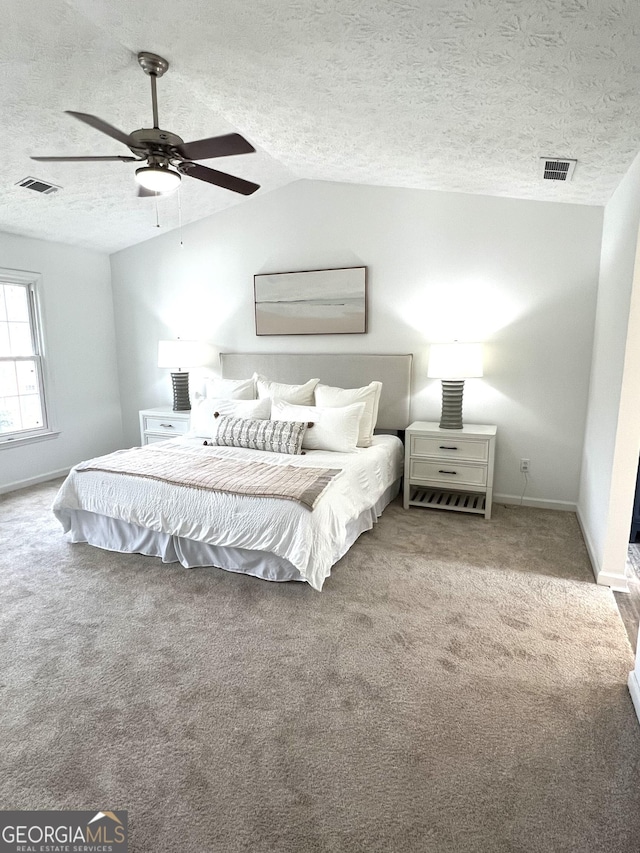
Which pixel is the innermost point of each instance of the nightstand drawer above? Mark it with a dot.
(444, 448)
(160, 424)
(153, 437)
(167, 425)
(445, 471)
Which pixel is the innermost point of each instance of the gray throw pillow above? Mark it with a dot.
(275, 436)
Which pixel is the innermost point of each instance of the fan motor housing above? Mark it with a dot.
(148, 138)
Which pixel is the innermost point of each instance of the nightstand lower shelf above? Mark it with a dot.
(444, 499)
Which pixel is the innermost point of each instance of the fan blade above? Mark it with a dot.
(83, 159)
(143, 192)
(220, 179)
(102, 126)
(215, 146)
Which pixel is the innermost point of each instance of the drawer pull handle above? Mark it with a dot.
(167, 426)
(445, 447)
(441, 471)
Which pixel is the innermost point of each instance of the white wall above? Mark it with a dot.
(80, 350)
(520, 275)
(612, 436)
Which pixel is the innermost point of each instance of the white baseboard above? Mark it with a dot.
(595, 565)
(33, 481)
(634, 689)
(537, 503)
(617, 582)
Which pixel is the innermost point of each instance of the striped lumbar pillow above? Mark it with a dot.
(275, 436)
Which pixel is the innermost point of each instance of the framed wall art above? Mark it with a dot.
(312, 302)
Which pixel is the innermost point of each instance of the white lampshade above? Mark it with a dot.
(179, 354)
(159, 179)
(455, 361)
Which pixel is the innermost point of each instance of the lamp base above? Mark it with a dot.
(451, 417)
(181, 401)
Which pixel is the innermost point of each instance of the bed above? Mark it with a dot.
(269, 537)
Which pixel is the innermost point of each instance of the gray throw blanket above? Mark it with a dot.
(202, 469)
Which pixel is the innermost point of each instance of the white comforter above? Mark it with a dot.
(311, 541)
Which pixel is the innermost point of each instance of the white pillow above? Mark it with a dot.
(369, 395)
(231, 389)
(300, 395)
(333, 428)
(203, 422)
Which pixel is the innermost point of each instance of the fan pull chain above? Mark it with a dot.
(180, 214)
(157, 214)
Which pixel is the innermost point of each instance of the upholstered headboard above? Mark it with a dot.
(344, 370)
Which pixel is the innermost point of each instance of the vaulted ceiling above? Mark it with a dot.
(457, 95)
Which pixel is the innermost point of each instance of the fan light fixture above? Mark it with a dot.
(158, 179)
(161, 147)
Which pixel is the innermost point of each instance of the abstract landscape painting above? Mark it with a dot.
(313, 302)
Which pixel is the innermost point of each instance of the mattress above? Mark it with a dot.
(269, 537)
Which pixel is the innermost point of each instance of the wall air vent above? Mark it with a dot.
(557, 168)
(38, 186)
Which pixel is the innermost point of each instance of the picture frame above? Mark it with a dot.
(311, 302)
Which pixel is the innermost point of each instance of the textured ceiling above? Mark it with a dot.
(459, 95)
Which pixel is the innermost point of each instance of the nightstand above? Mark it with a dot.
(162, 423)
(449, 468)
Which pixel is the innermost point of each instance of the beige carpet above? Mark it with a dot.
(460, 685)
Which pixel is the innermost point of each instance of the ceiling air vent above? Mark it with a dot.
(38, 186)
(557, 168)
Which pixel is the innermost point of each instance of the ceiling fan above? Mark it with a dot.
(166, 155)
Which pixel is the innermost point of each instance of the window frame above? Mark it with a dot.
(32, 282)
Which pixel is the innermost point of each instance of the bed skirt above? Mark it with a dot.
(111, 534)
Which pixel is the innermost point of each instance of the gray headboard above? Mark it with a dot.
(344, 370)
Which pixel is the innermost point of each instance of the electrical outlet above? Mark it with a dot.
(524, 466)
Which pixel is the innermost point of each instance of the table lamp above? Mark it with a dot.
(453, 363)
(175, 355)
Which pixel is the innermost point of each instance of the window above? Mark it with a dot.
(23, 411)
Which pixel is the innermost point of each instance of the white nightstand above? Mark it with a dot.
(449, 468)
(162, 423)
